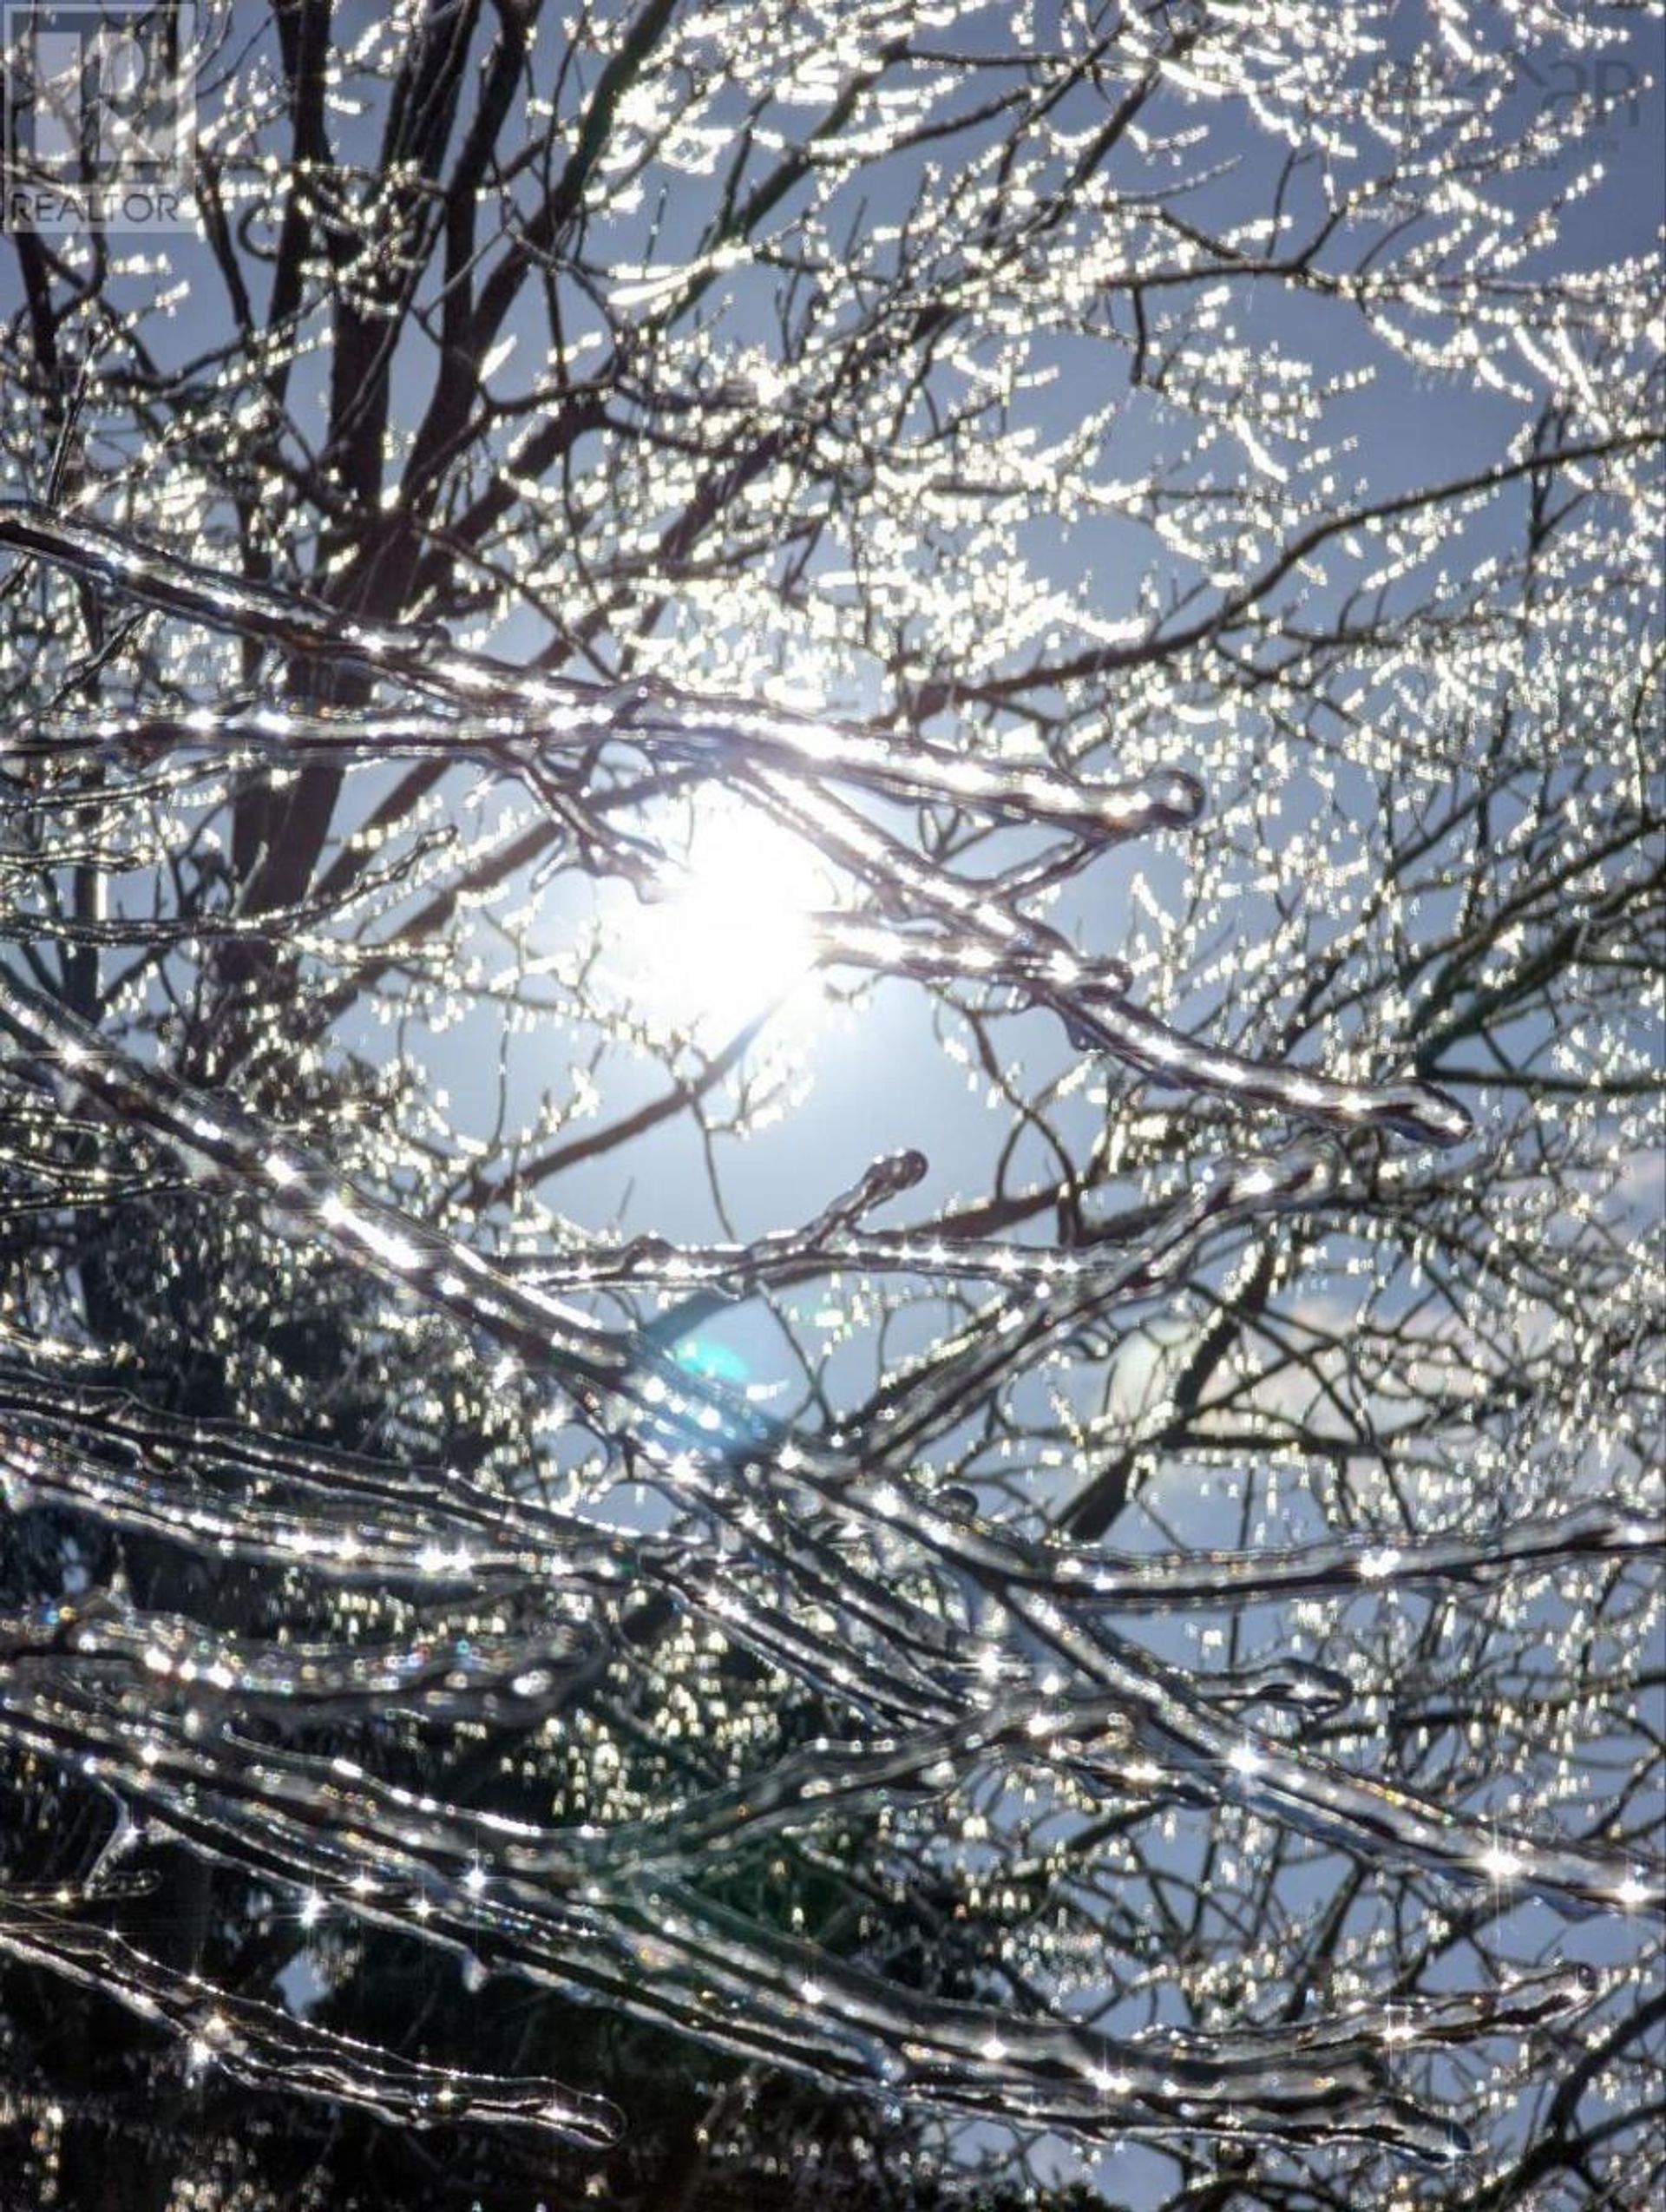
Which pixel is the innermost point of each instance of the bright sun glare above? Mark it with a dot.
(734, 936)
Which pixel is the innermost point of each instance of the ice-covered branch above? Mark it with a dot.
(529, 724)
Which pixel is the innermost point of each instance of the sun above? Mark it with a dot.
(734, 936)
